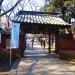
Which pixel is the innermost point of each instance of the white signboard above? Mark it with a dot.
(15, 35)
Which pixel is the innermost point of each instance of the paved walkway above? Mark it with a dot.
(37, 61)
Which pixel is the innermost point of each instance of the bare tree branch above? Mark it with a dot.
(1, 2)
(11, 8)
(31, 6)
(22, 5)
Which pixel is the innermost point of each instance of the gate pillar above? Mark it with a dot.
(49, 44)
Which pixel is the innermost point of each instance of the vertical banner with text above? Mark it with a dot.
(15, 35)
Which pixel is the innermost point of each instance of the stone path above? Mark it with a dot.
(37, 61)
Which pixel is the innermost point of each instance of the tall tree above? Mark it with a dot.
(66, 7)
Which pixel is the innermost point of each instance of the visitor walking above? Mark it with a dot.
(32, 41)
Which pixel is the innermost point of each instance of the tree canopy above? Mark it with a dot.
(59, 4)
(65, 7)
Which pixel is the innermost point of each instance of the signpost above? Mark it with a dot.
(15, 35)
(14, 43)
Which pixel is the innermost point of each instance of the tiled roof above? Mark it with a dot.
(39, 17)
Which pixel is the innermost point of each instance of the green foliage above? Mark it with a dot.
(49, 8)
(63, 5)
(66, 18)
(67, 3)
(57, 3)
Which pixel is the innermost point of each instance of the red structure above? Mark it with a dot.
(65, 46)
(5, 46)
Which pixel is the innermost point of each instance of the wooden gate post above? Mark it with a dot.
(49, 44)
(23, 44)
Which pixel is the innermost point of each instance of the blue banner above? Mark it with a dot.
(15, 35)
